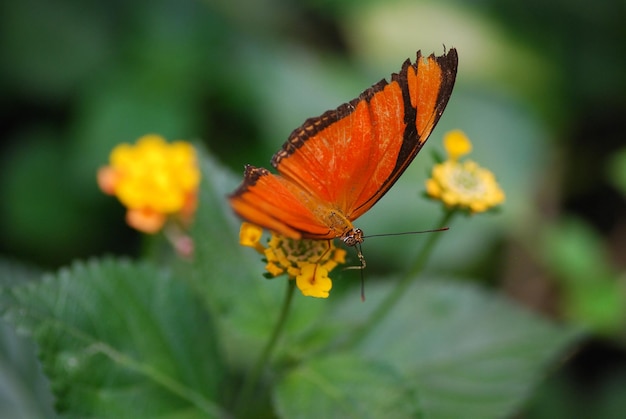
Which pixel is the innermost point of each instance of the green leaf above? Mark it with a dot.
(599, 306)
(617, 170)
(344, 386)
(468, 352)
(230, 277)
(120, 340)
(592, 294)
(221, 266)
(575, 252)
(13, 272)
(227, 275)
(25, 391)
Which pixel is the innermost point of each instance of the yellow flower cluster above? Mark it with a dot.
(463, 185)
(153, 179)
(307, 261)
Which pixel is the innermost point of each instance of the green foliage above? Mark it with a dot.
(467, 352)
(617, 171)
(345, 386)
(594, 294)
(112, 340)
(547, 117)
(127, 339)
(25, 391)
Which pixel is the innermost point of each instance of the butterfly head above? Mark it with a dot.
(352, 237)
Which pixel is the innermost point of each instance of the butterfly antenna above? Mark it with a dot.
(359, 252)
(436, 230)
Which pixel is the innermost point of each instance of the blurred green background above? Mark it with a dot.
(541, 91)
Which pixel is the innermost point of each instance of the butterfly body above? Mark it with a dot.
(335, 167)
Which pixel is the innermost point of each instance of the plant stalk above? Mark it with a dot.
(251, 382)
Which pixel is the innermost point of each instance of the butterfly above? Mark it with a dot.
(335, 167)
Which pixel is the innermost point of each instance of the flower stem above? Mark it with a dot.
(394, 296)
(252, 380)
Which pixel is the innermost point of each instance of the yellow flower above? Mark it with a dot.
(463, 185)
(308, 262)
(154, 180)
(456, 144)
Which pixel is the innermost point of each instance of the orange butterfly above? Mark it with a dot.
(336, 166)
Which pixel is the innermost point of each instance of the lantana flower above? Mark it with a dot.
(463, 185)
(156, 181)
(308, 262)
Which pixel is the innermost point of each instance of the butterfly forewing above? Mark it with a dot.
(350, 151)
(426, 87)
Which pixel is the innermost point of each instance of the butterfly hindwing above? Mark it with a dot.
(272, 202)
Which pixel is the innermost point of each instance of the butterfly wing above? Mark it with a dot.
(351, 156)
(272, 202)
(336, 166)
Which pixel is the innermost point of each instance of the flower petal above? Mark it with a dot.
(313, 281)
(145, 220)
(456, 144)
(249, 234)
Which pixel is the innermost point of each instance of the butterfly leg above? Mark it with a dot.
(361, 259)
(322, 256)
